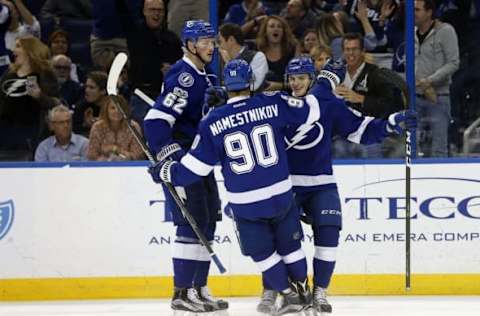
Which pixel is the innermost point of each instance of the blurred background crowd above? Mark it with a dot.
(55, 56)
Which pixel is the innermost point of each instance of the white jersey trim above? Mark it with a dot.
(312, 181)
(195, 252)
(155, 114)
(268, 263)
(295, 256)
(356, 136)
(325, 253)
(261, 194)
(195, 165)
(314, 113)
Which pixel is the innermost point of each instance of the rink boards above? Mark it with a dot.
(101, 231)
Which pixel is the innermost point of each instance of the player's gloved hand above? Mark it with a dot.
(166, 157)
(333, 73)
(398, 121)
(215, 96)
(172, 151)
(160, 171)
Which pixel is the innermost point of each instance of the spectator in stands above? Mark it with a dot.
(436, 60)
(108, 37)
(367, 90)
(321, 7)
(5, 18)
(59, 43)
(23, 23)
(247, 10)
(276, 41)
(71, 9)
(153, 49)
(26, 93)
(232, 47)
(309, 41)
(87, 112)
(331, 30)
(70, 91)
(392, 18)
(64, 145)
(299, 17)
(180, 11)
(110, 137)
(320, 55)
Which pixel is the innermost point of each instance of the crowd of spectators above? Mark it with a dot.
(55, 55)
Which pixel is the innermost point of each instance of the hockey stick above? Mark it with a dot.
(144, 97)
(410, 72)
(115, 70)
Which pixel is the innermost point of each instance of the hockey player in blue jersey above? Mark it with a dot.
(246, 136)
(174, 120)
(310, 160)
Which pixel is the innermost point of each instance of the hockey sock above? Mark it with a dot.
(326, 242)
(296, 265)
(201, 274)
(203, 267)
(183, 272)
(274, 270)
(266, 285)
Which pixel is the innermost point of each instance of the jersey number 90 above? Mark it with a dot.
(259, 149)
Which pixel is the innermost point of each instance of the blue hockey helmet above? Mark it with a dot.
(196, 29)
(237, 75)
(300, 65)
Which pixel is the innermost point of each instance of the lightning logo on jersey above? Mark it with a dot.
(302, 133)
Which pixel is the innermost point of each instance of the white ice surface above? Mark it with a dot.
(342, 305)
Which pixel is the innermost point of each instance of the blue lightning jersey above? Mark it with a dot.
(309, 147)
(180, 107)
(247, 137)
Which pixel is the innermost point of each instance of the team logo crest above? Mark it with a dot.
(6, 217)
(15, 87)
(306, 137)
(186, 79)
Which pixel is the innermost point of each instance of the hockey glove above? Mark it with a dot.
(333, 73)
(160, 172)
(168, 155)
(398, 121)
(172, 151)
(215, 96)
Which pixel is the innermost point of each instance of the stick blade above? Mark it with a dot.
(115, 71)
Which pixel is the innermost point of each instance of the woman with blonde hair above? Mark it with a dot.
(276, 40)
(110, 137)
(331, 28)
(26, 93)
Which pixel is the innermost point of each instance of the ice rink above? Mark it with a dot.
(342, 305)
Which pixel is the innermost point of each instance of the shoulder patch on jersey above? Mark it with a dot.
(186, 79)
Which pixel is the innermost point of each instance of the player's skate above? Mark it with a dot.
(188, 300)
(303, 290)
(267, 302)
(291, 303)
(206, 297)
(320, 303)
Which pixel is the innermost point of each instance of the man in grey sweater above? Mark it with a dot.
(436, 60)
